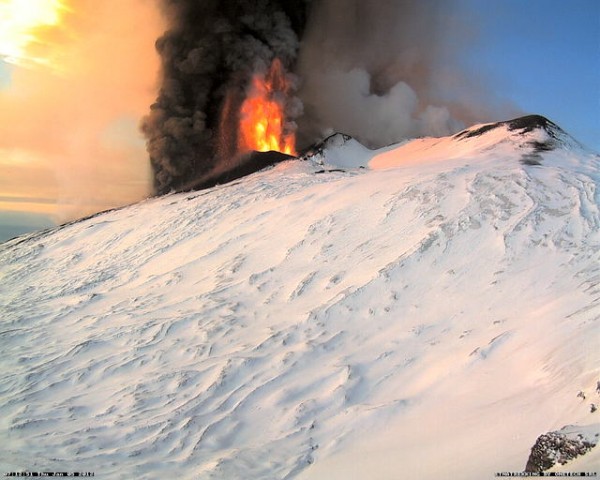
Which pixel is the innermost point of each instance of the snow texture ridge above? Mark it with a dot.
(432, 314)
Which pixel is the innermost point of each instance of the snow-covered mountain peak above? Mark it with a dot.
(531, 140)
(339, 150)
(532, 133)
(521, 125)
(527, 140)
(426, 317)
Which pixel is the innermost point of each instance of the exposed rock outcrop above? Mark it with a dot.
(560, 447)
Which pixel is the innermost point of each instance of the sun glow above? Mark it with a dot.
(28, 28)
(262, 116)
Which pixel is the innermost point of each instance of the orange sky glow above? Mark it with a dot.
(79, 81)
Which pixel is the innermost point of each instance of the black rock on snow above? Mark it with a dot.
(558, 447)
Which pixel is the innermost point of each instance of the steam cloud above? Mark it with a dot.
(380, 71)
(389, 70)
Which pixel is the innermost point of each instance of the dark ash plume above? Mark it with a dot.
(208, 56)
(379, 70)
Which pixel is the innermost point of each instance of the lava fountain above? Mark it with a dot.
(263, 125)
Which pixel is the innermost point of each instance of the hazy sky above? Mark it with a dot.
(69, 139)
(69, 143)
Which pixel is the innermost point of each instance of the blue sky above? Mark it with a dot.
(544, 55)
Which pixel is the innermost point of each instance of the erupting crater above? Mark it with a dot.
(263, 126)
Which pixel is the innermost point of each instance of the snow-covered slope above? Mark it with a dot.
(416, 319)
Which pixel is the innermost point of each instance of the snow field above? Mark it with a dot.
(424, 320)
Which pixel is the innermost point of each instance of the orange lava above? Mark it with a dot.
(262, 115)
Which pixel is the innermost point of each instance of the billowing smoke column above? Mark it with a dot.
(381, 71)
(386, 70)
(209, 56)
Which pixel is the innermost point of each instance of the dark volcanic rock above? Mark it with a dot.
(245, 165)
(529, 123)
(524, 124)
(333, 140)
(556, 448)
(476, 133)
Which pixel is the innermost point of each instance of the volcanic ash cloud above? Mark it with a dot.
(380, 71)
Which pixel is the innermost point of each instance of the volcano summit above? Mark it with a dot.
(427, 316)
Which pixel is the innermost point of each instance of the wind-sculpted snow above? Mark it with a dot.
(427, 319)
